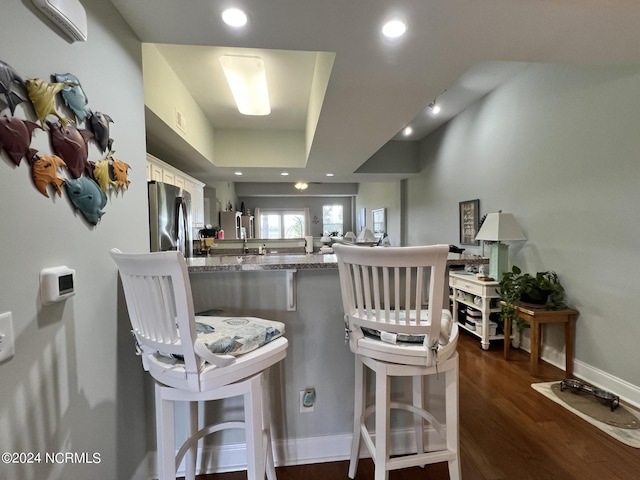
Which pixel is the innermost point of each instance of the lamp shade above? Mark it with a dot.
(500, 226)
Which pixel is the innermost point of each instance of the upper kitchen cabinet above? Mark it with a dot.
(163, 172)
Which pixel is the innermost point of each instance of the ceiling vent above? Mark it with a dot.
(69, 15)
(181, 121)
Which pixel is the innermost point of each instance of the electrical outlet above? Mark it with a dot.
(7, 349)
(307, 400)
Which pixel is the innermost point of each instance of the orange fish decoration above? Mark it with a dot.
(43, 98)
(120, 170)
(44, 172)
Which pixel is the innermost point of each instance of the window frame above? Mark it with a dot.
(282, 212)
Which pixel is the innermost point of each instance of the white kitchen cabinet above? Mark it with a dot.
(196, 189)
(163, 172)
(169, 177)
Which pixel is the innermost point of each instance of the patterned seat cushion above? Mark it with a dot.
(445, 332)
(236, 335)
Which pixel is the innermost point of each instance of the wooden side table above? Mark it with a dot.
(536, 318)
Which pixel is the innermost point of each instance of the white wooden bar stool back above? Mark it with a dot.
(158, 296)
(397, 326)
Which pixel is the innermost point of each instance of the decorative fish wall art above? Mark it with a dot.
(111, 172)
(120, 171)
(44, 171)
(99, 125)
(71, 144)
(43, 98)
(68, 166)
(15, 137)
(86, 196)
(73, 95)
(9, 78)
(102, 175)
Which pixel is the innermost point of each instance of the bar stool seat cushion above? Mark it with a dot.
(236, 335)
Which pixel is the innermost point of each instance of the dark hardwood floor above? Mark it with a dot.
(508, 431)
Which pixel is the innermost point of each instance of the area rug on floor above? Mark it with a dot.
(622, 423)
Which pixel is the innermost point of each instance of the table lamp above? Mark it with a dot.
(499, 227)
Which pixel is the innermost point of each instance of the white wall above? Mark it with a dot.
(558, 147)
(74, 384)
(376, 195)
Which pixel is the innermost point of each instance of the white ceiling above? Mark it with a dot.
(455, 51)
(289, 75)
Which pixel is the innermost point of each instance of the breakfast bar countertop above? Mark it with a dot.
(290, 261)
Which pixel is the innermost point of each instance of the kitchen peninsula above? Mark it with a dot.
(288, 261)
(269, 286)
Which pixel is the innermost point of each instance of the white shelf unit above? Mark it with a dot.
(462, 284)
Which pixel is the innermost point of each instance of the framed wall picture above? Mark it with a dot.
(469, 214)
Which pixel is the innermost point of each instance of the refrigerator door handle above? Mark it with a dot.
(181, 225)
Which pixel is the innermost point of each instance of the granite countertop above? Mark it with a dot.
(271, 261)
(278, 261)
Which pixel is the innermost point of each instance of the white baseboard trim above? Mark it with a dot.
(300, 451)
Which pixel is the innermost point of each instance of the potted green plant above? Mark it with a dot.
(517, 288)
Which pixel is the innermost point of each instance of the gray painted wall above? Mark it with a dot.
(376, 195)
(74, 384)
(558, 147)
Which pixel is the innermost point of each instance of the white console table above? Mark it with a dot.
(463, 284)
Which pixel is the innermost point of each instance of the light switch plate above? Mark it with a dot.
(7, 349)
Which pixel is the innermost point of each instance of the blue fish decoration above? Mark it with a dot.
(9, 77)
(73, 95)
(85, 194)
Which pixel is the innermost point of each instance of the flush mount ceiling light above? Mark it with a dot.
(234, 17)
(248, 82)
(301, 185)
(394, 28)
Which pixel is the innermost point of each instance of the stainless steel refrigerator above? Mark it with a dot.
(170, 218)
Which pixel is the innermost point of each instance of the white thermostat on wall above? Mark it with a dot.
(56, 284)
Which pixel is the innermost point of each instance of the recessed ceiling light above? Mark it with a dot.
(284, 174)
(434, 107)
(394, 28)
(301, 185)
(407, 131)
(329, 174)
(234, 17)
(238, 173)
